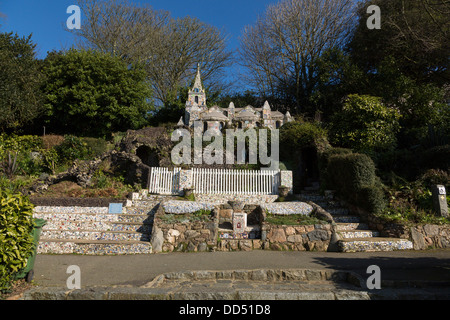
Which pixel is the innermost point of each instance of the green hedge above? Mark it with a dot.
(352, 171)
(324, 158)
(353, 177)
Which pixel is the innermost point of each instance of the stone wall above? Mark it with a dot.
(283, 237)
(309, 237)
(247, 198)
(423, 236)
(184, 232)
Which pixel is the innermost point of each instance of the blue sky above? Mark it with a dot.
(46, 18)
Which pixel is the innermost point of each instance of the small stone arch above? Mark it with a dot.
(148, 156)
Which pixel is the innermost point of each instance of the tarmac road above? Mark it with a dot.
(137, 270)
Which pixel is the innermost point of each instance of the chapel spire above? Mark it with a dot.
(198, 80)
(197, 95)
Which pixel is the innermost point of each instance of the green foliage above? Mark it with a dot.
(353, 176)
(365, 124)
(25, 143)
(20, 79)
(94, 94)
(97, 146)
(72, 148)
(350, 172)
(200, 216)
(338, 77)
(324, 158)
(411, 202)
(15, 154)
(296, 135)
(202, 212)
(173, 109)
(50, 159)
(16, 242)
(435, 176)
(371, 198)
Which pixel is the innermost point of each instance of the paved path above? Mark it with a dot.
(137, 270)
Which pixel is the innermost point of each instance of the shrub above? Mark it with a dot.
(16, 242)
(50, 159)
(435, 176)
(297, 135)
(353, 176)
(365, 124)
(72, 148)
(371, 199)
(19, 144)
(52, 140)
(349, 172)
(96, 146)
(324, 158)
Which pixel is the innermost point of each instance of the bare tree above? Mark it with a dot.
(170, 48)
(2, 16)
(119, 27)
(280, 50)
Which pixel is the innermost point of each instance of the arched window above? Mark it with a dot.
(196, 99)
(278, 124)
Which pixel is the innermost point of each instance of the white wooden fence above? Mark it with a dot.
(216, 181)
(164, 181)
(221, 181)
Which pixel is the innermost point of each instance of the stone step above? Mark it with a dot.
(352, 226)
(76, 216)
(374, 244)
(329, 204)
(339, 211)
(346, 219)
(94, 217)
(313, 187)
(310, 197)
(140, 210)
(73, 209)
(93, 247)
(97, 226)
(95, 235)
(357, 234)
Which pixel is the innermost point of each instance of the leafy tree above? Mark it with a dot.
(93, 94)
(173, 110)
(338, 77)
(20, 81)
(365, 124)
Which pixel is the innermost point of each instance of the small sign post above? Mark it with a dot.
(440, 200)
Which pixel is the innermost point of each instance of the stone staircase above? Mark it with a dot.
(94, 231)
(353, 234)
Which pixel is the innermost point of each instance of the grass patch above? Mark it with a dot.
(200, 215)
(293, 219)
